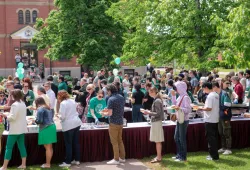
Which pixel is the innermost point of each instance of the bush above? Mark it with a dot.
(225, 65)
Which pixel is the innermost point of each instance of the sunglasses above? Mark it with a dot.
(25, 86)
(100, 96)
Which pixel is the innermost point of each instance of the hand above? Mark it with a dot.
(96, 120)
(146, 112)
(145, 100)
(176, 107)
(173, 93)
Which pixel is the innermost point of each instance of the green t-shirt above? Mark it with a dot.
(120, 77)
(97, 106)
(111, 79)
(62, 86)
(143, 90)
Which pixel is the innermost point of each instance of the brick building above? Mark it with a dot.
(17, 18)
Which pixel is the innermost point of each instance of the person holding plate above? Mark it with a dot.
(157, 116)
(96, 104)
(183, 102)
(28, 97)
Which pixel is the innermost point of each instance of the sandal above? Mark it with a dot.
(155, 160)
(21, 167)
(45, 166)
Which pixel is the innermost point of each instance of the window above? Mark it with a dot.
(27, 17)
(34, 16)
(20, 17)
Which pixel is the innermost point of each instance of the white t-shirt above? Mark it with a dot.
(18, 58)
(212, 101)
(127, 84)
(243, 81)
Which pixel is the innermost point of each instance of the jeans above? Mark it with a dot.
(180, 138)
(115, 134)
(136, 113)
(224, 128)
(72, 144)
(12, 139)
(211, 130)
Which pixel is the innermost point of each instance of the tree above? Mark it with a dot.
(235, 33)
(80, 28)
(170, 29)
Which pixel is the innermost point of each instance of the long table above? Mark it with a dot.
(96, 146)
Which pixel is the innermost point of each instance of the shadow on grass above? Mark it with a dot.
(240, 155)
(231, 162)
(170, 163)
(198, 165)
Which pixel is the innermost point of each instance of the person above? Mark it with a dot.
(115, 111)
(96, 81)
(70, 126)
(90, 94)
(42, 93)
(18, 59)
(120, 76)
(157, 116)
(111, 77)
(52, 97)
(3, 99)
(247, 80)
(86, 76)
(83, 84)
(155, 81)
(18, 127)
(137, 99)
(17, 84)
(96, 104)
(104, 89)
(211, 118)
(55, 79)
(158, 74)
(28, 97)
(194, 81)
(54, 87)
(143, 87)
(224, 126)
(163, 81)
(190, 94)
(148, 100)
(201, 95)
(183, 103)
(62, 85)
(242, 79)
(125, 83)
(238, 88)
(47, 129)
(119, 89)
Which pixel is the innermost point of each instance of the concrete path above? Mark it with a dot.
(131, 164)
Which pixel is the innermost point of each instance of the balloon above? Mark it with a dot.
(117, 60)
(20, 65)
(22, 70)
(20, 76)
(19, 70)
(115, 72)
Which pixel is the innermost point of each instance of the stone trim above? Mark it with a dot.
(27, 3)
(4, 35)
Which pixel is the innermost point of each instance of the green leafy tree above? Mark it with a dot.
(81, 28)
(170, 29)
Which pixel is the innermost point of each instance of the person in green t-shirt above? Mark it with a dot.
(96, 104)
(143, 88)
(62, 85)
(111, 77)
(120, 76)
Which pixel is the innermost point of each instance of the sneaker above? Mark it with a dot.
(177, 160)
(221, 150)
(113, 162)
(122, 160)
(75, 162)
(175, 157)
(227, 152)
(211, 159)
(65, 165)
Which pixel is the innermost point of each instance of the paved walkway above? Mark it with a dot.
(131, 164)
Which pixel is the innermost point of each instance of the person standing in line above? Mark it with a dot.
(194, 82)
(115, 110)
(137, 100)
(28, 97)
(238, 88)
(18, 59)
(242, 80)
(157, 116)
(183, 103)
(18, 127)
(62, 85)
(224, 126)
(70, 126)
(52, 97)
(111, 77)
(47, 129)
(53, 86)
(55, 79)
(211, 118)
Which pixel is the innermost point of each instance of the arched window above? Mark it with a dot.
(34, 16)
(27, 17)
(20, 17)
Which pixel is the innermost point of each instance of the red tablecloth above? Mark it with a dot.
(96, 146)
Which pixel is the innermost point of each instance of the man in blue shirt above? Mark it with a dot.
(115, 109)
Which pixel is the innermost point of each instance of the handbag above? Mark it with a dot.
(181, 116)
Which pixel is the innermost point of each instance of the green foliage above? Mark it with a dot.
(170, 29)
(80, 28)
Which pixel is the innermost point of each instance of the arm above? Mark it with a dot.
(13, 113)
(186, 105)
(62, 112)
(39, 118)
(158, 109)
(32, 96)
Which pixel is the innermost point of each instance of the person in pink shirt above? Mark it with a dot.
(183, 102)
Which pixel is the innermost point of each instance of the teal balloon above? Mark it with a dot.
(20, 65)
(117, 60)
(20, 76)
(20, 70)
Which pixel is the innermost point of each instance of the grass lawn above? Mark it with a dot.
(239, 160)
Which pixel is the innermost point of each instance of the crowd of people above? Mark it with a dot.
(102, 98)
